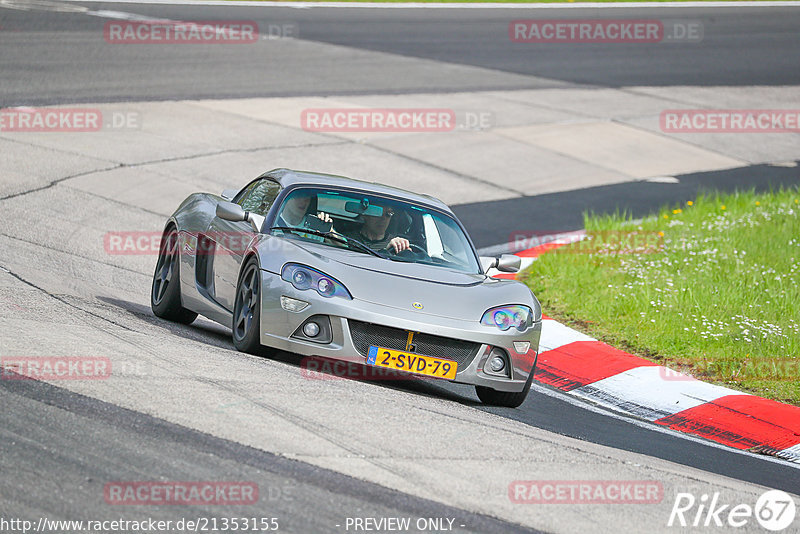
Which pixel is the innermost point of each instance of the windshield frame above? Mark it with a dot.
(321, 188)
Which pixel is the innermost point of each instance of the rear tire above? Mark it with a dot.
(165, 292)
(507, 399)
(246, 322)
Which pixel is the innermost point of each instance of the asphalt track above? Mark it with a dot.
(60, 57)
(128, 444)
(71, 443)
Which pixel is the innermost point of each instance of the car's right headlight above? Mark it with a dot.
(303, 277)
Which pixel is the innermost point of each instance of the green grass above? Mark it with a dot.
(709, 288)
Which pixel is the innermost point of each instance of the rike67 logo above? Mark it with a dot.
(774, 510)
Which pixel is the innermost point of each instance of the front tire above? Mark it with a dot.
(506, 399)
(165, 293)
(247, 309)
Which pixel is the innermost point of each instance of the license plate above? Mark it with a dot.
(412, 363)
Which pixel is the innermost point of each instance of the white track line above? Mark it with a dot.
(645, 392)
(579, 403)
(556, 335)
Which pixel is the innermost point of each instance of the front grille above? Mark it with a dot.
(366, 334)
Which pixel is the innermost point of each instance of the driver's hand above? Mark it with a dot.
(400, 244)
(324, 217)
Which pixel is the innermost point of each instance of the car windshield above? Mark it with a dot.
(368, 224)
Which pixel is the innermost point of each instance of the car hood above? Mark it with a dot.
(406, 286)
(408, 270)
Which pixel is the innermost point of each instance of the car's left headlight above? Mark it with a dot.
(505, 317)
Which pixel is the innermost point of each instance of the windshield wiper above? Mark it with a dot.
(332, 235)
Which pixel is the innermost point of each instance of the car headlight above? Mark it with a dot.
(302, 278)
(505, 317)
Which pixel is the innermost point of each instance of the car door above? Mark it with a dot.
(230, 241)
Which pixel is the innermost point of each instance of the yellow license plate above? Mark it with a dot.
(412, 363)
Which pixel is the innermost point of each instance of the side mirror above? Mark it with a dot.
(229, 194)
(507, 263)
(234, 212)
(230, 211)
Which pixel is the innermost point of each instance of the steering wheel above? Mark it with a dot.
(413, 250)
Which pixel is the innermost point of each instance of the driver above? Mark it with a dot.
(296, 208)
(295, 214)
(373, 232)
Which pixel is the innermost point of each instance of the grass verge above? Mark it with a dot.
(709, 288)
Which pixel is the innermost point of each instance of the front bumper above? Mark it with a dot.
(278, 326)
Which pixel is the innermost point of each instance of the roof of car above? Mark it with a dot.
(289, 177)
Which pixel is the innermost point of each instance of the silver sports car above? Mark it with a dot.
(330, 267)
